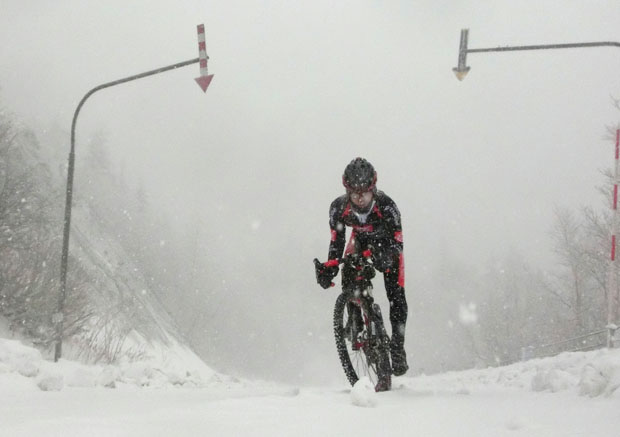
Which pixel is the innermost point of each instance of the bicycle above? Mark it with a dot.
(362, 342)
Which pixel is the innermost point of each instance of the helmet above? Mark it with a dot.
(359, 176)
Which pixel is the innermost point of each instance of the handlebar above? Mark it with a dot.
(366, 255)
(353, 259)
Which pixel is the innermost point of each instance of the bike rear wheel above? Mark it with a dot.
(368, 355)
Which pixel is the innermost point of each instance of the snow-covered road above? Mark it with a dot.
(573, 394)
(269, 411)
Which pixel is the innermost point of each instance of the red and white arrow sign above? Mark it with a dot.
(205, 78)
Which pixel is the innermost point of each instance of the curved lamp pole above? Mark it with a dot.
(58, 317)
(203, 81)
(461, 71)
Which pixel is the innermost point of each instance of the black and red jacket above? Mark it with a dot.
(380, 228)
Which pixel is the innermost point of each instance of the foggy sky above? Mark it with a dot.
(302, 88)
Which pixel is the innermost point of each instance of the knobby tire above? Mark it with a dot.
(383, 368)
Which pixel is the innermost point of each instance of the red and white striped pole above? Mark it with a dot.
(614, 206)
(205, 78)
(612, 292)
(202, 50)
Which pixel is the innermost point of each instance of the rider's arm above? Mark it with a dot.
(337, 228)
(391, 215)
(393, 219)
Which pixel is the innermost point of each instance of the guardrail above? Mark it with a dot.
(591, 341)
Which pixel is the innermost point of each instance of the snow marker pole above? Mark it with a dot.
(612, 292)
(205, 78)
(202, 50)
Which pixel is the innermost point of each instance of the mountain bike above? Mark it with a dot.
(362, 342)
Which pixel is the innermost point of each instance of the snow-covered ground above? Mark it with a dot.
(574, 394)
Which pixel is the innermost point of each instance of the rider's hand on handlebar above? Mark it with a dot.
(325, 272)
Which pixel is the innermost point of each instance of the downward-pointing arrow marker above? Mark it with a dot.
(204, 81)
(205, 78)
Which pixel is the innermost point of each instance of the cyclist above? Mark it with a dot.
(376, 224)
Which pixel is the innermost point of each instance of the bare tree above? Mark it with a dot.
(570, 286)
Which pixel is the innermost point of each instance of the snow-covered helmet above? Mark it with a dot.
(359, 176)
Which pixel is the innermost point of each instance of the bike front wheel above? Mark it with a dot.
(367, 353)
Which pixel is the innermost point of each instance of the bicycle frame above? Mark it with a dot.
(357, 274)
(363, 351)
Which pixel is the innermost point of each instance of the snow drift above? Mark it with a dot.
(22, 367)
(595, 373)
(590, 374)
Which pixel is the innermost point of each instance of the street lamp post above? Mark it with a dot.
(203, 81)
(461, 71)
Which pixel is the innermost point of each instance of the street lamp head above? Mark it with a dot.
(462, 69)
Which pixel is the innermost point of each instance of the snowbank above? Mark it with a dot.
(592, 374)
(22, 367)
(15, 357)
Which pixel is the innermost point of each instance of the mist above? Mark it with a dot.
(248, 170)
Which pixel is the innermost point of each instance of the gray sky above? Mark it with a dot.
(301, 88)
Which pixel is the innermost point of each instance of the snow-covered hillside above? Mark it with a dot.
(571, 394)
(125, 309)
(123, 274)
